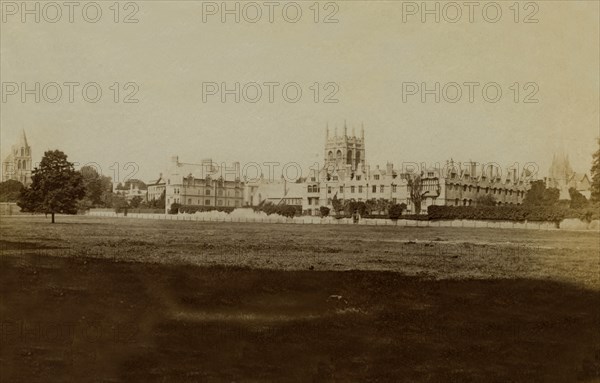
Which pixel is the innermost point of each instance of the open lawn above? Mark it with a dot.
(122, 300)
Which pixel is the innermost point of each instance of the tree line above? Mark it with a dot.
(57, 188)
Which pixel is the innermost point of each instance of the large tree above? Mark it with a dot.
(56, 186)
(415, 191)
(97, 187)
(539, 195)
(578, 200)
(10, 191)
(596, 175)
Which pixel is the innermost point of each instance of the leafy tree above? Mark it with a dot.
(324, 210)
(535, 194)
(29, 200)
(382, 205)
(56, 186)
(485, 200)
(10, 191)
(415, 189)
(578, 200)
(551, 196)
(161, 201)
(360, 208)
(119, 203)
(135, 202)
(395, 211)
(174, 208)
(158, 203)
(97, 187)
(337, 205)
(596, 175)
(539, 195)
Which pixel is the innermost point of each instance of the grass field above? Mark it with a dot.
(122, 300)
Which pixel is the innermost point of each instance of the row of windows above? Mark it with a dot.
(382, 189)
(24, 151)
(220, 192)
(209, 202)
(468, 202)
(486, 190)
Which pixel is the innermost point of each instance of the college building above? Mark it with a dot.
(18, 165)
(346, 175)
(204, 185)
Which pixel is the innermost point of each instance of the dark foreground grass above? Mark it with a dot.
(134, 301)
(95, 320)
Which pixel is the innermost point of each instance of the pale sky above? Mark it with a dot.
(369, 54)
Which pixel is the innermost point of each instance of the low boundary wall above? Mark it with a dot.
(307, 220)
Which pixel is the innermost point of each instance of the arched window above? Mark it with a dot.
(22, 151)
(330, 155)
(349, 157)
(339, 155)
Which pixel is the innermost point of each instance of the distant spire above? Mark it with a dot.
(327, 130)
(23, 139)
(345, 129)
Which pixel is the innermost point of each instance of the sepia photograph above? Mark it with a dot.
(300, 191)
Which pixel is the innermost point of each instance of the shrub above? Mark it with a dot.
(283, 210)
(324, 210)
(174, 208)
(395, 211)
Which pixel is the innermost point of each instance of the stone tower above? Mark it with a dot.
(343, 150)
(17, 165)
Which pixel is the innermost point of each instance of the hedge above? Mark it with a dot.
(284, 210)
(191, 209)
(499, 213)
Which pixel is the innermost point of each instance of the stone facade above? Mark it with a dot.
(562, 176)
(350, 177)
(203, 185)
(345, 175)
(18, 165)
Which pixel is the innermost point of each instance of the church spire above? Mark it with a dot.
(23, 139)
